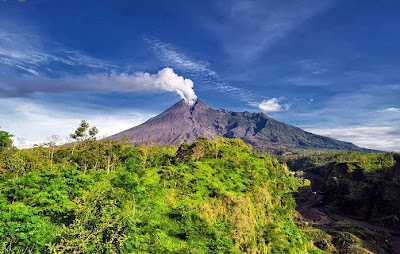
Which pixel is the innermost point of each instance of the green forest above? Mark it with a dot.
(111, 197)
(212, 196)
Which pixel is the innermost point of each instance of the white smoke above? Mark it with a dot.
(168, 80)
(164, 80)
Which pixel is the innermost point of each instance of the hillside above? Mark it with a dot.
(185, 123)
(102, 197)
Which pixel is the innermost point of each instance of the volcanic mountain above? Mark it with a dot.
(185, 123)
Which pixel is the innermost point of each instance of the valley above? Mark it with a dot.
(338, 201)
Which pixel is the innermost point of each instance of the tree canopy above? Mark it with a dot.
(5, 139)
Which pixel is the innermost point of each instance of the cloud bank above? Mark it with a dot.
(164, 80)
(272, 105)
(385, 138)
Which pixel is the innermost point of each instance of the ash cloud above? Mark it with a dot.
(165, 80)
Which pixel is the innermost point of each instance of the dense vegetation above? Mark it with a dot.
(111, 197)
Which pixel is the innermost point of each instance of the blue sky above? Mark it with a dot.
(331, 67)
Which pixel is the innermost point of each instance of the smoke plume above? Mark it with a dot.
(164, 80)
(168, 80)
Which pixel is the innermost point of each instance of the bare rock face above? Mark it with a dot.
(185, 123)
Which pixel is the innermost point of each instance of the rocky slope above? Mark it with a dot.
(184, 123)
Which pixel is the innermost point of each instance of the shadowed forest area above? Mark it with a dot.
(353, 200)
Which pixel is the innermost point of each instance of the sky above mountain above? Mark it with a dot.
(330, 67)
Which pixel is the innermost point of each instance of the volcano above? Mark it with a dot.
(185, 123)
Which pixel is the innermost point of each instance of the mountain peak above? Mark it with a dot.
(183, 105)
(200, 104)
(185, 123)
(180, 104)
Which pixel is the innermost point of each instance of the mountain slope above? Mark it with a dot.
(185, 123)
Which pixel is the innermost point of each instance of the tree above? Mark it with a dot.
(51, 144)
(5, 139)
(93, 132)
(80, 133)
(84, 134)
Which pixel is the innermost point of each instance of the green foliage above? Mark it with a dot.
(352, 238)
(22, 229)
(5, 139)
(315, 159)
(83, 133)
(110, 197)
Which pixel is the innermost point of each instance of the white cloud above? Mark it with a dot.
(377, 137)
(32, 71)
(24, 52)
(272, 105)
(35, 123)
(165, 80)
(393, 110)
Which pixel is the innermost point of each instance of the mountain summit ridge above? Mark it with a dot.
(185, 123)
